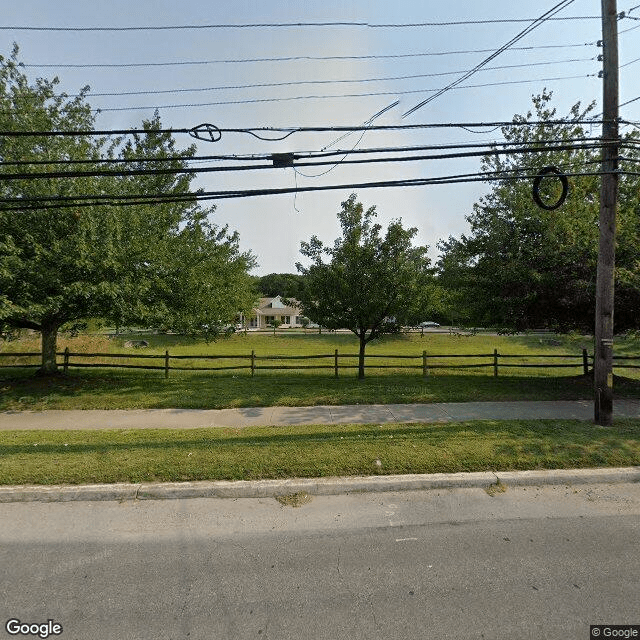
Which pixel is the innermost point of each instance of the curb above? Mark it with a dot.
(313, 486)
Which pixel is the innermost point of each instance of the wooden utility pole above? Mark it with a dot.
(603, 347)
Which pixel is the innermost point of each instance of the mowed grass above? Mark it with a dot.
(104, 388)
(75, 457)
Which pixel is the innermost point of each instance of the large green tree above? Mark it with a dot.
(160, 263)
(366, 282)
(522, 266)
(287, 285)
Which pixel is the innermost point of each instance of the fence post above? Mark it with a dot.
(335, 365)
(253, 363)
(495, 363)
(424, 363)
(66, 360)
(166, 363)
(585, 362)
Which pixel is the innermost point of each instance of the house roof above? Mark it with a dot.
(275, 306)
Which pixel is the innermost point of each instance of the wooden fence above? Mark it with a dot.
(335, 361)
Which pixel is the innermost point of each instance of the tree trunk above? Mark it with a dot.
(49, 348)
(363, 344)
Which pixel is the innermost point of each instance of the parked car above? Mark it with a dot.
(428, 323)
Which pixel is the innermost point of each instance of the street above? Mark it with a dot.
(531, 562)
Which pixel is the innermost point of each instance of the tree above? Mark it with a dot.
(151, 263)
(181, 271)
(286, 285)
(524, 267)
(370, 283)
(275, 324)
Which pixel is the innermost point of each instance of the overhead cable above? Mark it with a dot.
(20, 204)
(339, 96)
(289, 25)
(7, 177)
(534, 25)
(306, 129)
(293, 83)
(263, 157)
(124, 65)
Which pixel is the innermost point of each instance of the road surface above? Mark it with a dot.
(530, 562)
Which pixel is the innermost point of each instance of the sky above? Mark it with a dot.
(560, 55)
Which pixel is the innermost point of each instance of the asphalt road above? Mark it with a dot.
(528, 563)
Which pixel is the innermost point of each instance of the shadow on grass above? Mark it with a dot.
(559, 434)
(107, 389)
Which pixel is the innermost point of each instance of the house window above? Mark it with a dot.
(286, 320)
(269, 319)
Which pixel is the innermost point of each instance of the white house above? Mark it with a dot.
(272, 309)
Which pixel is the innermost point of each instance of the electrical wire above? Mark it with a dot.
(624, 104)
(338, 96)
(626, 64)
(366, 123)
(7, 177)
(489, 147)
(273, 25)
(149, 199)
(126, 65)
(629, 29)
(293, 83)
(534, 25)
(310, 129)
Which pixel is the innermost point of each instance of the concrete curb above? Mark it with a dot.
(313, 486)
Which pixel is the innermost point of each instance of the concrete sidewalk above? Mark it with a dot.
(278, 416)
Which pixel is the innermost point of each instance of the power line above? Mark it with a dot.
(7, 177)
(292, 83)
(122, 65)
(536, 23)
(626, 64)
(624, 104)
(337, 96)
(489, 147)
(148, 199)
(310, 129)
(276, 25)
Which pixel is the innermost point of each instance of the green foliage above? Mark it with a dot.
(252, 453)
(522, 266)
(286, 285)
(275, 324)
(162, 264)
(371, 284)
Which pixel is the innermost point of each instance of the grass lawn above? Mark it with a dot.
(135, 388)
(75, 457)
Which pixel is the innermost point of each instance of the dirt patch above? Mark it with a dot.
(294, 499)
(496, 488)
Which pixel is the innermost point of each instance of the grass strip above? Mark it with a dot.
(77, 457)
(146, 390)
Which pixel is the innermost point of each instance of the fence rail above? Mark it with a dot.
(254, 362)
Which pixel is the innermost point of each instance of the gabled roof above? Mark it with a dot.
(268, 305)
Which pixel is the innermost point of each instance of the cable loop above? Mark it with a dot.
(546, 171)
(207, 132)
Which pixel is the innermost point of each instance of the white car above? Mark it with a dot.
(429, 324)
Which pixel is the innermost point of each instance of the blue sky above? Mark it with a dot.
(273, 227)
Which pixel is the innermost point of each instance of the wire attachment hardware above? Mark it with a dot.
(281, 160)
(546, 171)
(207, 132)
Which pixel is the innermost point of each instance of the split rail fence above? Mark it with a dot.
(335, 361)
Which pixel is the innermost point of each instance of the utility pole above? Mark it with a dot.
(603, 347)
